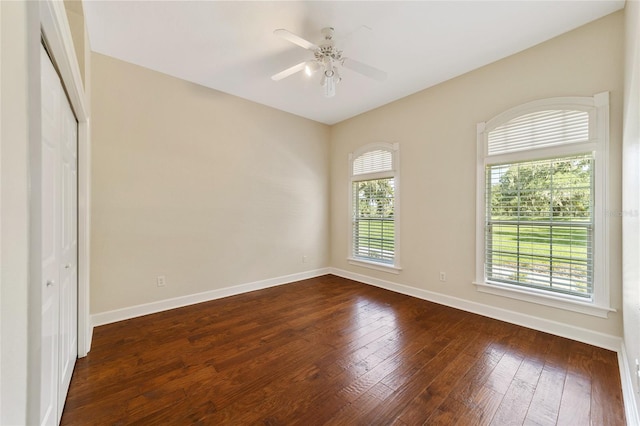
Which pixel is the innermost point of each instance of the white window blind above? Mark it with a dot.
(540, 129)
(373, 162)
(374, 230)
(373, 220)
(539, 224)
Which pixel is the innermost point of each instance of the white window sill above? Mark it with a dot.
(384, 267)
(543, 298)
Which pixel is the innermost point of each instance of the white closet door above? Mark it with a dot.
(59, 244)
(68, 251)
(51, 222)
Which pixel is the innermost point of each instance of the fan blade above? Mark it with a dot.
(289, 71)
(295, 39)
(364, 69)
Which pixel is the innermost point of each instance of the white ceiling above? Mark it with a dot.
(230, 46)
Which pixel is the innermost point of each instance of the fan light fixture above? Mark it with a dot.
(329, 84)
(330, 78)
(326, 58)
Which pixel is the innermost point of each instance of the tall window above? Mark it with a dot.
(541, 203)
(374, 202)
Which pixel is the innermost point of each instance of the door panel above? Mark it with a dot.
(59, 245)
(50, 217)
(69, 253)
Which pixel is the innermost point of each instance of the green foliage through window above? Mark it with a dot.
(539, 229)
(373, 220)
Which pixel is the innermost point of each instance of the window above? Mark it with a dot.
(374, 232)
(539, 224)
(541, 204)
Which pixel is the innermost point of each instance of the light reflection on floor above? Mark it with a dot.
(377, 333)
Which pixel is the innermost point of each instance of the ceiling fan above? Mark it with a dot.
(327, 59)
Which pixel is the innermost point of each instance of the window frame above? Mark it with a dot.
(394, 149)
(598, 109)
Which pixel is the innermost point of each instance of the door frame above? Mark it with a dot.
(57, 34)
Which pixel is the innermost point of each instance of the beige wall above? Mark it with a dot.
(205, 188)
(436, 130)
(631, 191)
(14, 219)
(20, 284)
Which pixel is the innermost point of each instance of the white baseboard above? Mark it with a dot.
(628, 394)
(584, 335)
(82, 352)
(109, 317)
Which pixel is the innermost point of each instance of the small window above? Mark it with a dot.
(374, 207)
(541, 204)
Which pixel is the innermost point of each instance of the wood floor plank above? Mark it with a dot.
(602, 399)
(575, 405)
(485, 402)
(471, 384)
(545, 404)
(334, 351)
(418, 410)
(353, 414)
(515, 404)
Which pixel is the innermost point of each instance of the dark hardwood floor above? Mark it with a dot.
(333, 351)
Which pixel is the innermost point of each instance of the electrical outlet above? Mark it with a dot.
(161, 281)
(443, 276)
(304, 259)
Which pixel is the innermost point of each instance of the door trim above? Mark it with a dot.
(56, 32)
